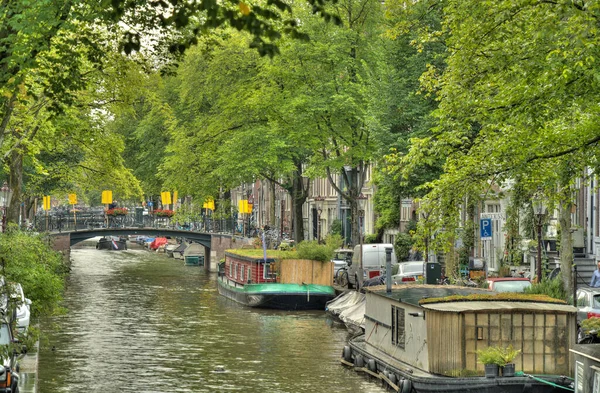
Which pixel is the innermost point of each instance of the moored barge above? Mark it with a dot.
(278, 284)
(417, 342)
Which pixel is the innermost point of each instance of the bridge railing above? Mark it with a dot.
(87, 221)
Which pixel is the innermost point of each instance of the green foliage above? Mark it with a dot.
(334, 241)
(30, 261)
(486, 296)
(552, 288)
(402, 245)
(592, 323)
(370, 238)
(490, 355)
(497, 355)
(315, 251)
(336, 227)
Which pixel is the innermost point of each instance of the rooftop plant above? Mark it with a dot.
(505, 296)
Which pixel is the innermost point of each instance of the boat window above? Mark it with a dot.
(266, 270)
(231, 270)
(235, 271)
(242, 273)
(398, 326)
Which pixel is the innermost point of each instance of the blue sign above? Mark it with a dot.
(485, 227)
(150, 204)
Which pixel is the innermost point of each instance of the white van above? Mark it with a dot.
(373, 262)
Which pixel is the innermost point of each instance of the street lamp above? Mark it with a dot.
(5, 197)
(319, 206)
(361, 201)
(539, 210)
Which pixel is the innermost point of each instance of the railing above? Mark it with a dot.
(87, 221)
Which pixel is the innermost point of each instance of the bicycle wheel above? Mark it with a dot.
(343, 279)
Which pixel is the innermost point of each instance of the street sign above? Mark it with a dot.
(493, 216)
(485, 227)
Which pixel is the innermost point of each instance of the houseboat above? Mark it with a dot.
(586, 367)
(112, 243)
(425, 338)
(279, 284)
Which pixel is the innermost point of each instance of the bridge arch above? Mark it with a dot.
(215, 244)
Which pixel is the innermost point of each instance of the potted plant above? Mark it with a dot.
(491, 359)
(508, 356)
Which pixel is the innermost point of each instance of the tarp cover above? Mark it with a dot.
(349, 307)
(159, 241)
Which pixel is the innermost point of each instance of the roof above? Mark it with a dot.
(498, 306)
(412, 293)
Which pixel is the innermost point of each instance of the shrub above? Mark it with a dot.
(402, 246)
(371, 238)
(553, 288)
(497, 355)
(490, 355)
(336, 227)
(592, 323)
(315, 251)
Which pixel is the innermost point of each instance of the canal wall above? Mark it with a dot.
(62, 244)
(221, 242)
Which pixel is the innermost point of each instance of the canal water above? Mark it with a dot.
(138, 321)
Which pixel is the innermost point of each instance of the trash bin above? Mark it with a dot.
(139, 216)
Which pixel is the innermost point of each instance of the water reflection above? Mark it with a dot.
(140, 322)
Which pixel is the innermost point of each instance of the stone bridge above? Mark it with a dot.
(214, 244)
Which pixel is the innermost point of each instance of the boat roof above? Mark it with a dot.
(499, 306)
(412, 293)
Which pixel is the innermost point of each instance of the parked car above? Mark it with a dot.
(373, 262)
(9, 371)
(409, 271)
(588, 303)
(508, 284)
(23, 311)
(340, 259)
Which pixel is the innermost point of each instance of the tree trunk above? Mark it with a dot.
(15, 182)
(272, 204)
(298, 193)
(566, 244)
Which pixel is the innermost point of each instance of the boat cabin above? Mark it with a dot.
(249, 270)
(443, 337)
(587, 367)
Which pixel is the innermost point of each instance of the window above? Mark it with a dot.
(235, 271)
(581, 300)
(231, 270)
(242, 273)
(266, 270)
(398, 326)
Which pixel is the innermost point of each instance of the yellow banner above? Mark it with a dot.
(175, 196)
(209, 204)
(47, 203)
(243, 206)
(72, 199)
(165, 196)
(107, 197)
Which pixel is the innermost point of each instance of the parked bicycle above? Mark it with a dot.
(341, 277)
